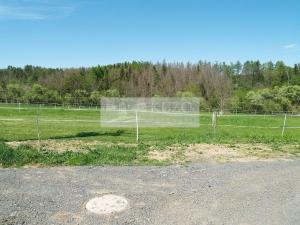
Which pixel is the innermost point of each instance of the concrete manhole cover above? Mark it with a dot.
(107, 204)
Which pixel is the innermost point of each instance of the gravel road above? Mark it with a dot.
(204, 193)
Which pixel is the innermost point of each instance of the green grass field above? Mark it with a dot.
(84, 124)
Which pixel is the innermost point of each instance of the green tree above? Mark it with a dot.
(95, 98)
(292, 93)
(2, 94)
(81, 97)
(38, 94)
(268, 73)
(53, 97)
(14, 92)
(255, 101)
(281, 73)
(68, 99)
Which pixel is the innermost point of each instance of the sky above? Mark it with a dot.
(69, 33)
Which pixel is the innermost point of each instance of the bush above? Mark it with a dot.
(271, 106)
(254, 101)
(112, 93)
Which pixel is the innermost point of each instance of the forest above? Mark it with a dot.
(250, 86)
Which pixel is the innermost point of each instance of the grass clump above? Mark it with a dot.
(25, 155)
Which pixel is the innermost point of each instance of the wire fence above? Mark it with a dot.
(96, 106)
(40, 121)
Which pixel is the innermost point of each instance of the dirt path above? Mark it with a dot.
(203, 193)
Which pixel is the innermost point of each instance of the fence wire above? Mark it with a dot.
(52, 120)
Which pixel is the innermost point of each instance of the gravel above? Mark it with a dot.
(243, 193)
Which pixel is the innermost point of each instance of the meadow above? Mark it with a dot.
(33, 122)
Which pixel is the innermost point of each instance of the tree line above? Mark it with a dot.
(249, 86)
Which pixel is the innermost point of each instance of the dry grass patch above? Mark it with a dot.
(161, 155)
(205, 152)
(223, 153)
(173, 154)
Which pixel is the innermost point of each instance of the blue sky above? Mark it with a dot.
(69, 33)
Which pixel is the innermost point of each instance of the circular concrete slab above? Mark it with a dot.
(107, 204)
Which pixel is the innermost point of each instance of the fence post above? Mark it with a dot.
(283, 128)
(137, 126)
(214, 120)
(38, 128)
(19, 107)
